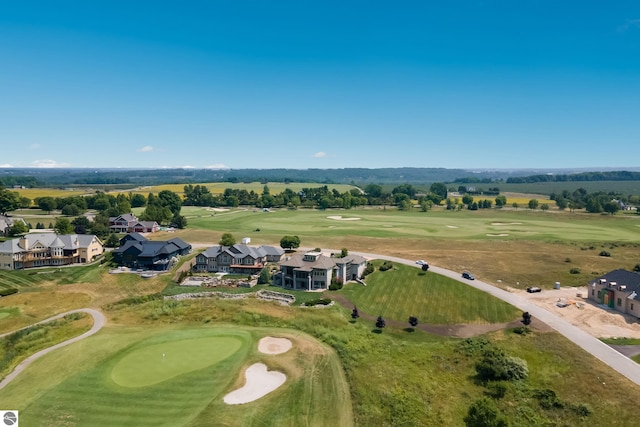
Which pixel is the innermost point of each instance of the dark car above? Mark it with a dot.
(533, 289)
(468, 275)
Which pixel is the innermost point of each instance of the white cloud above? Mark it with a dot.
(216, 166)
(48, 164)
(145, 149)
(320, 155)
(6, 165)
(630, 24)
(34, 146)
(187, 167)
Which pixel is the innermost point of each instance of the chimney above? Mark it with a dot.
(24, 242)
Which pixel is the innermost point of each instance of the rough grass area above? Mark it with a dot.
(315, 392)
(18, 346)
(395, 377)
(407, 291)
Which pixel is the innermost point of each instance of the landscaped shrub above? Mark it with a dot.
(574, 271)
(387, 265)
(522, 330)
(370, 269)
(8, 291)
(264, 277)
(336, 284)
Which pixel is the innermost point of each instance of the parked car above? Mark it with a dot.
(467, 275)
(532, 289)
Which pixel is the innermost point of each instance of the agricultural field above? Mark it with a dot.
(256, 187)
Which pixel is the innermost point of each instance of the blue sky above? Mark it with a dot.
(330, 84)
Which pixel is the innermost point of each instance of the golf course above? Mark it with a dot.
(178, 362)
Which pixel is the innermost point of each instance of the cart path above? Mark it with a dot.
(98, 322)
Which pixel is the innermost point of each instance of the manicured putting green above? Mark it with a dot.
(159, 362)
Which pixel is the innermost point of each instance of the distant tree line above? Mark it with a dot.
(584, 176)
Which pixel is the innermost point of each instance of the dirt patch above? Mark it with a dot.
(452, 226)
(497, 234)
(592, 318)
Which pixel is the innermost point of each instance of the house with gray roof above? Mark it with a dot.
(619, 290)
(315, 271)
(49, 250)
(129, 223)
(136, 251)
(238, 259)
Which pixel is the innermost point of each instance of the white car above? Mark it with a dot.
(421, 262)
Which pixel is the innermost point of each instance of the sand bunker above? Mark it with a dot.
(452, 226)
(270, 345)
(497, 235)
(340, 218)
(218, 209)
(506, 223)
(259, 382)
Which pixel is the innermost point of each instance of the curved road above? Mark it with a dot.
(590, 344)
(98, 322)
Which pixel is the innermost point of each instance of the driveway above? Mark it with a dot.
(98, 322)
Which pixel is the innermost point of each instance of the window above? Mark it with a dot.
(619, 302)
(631, 306)
(593, 292)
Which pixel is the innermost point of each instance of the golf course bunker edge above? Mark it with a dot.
(259, 381)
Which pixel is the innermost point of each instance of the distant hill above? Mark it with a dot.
(58, 177)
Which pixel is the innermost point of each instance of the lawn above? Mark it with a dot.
(407, 291)
(120, 377)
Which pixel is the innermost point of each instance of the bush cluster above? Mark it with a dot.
(370, 269)
(387, 265)
(496, 366)
(8, 291)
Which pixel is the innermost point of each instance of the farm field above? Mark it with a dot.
(219, 187)
(178, 375)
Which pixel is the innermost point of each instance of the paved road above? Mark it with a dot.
(98, 322)
(592, 345)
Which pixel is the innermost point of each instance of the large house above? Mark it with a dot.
(619, 290)
(128, 223)
(315, 271)
(137, 252)
(240, 259)
(48, 250)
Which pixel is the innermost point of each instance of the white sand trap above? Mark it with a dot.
(271, 345)
(452, 226)
(497, 235)
(218, 209)
(340, 218)
(506, 223)
(259, 382)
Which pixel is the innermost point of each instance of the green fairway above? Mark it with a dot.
(487, 224)
(407, 291)
(156, 363)
(117, 378)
